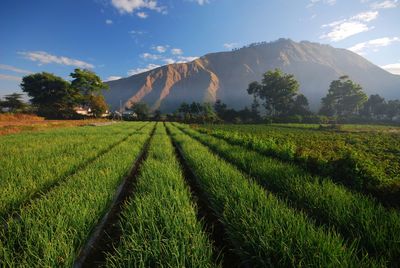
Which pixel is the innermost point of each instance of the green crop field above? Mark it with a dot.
(153, 194)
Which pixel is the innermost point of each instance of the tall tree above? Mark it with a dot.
(90, 88)
(344, 98)
(98, 105)
(300, 106)
(141, 109)
(374, 107)
(52, 95)
(277, 90)
(393, 109)
(13, 102)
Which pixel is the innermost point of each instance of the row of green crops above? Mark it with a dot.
(50, 231)
(367, 162)
(32, 162)
(372, 227)
(159, 223)
(264, 230)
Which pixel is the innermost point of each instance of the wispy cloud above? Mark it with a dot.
(183, 59)
(14, 69)
(142, 15)
(393, 68)
(345, 28)
(130, 6)
(200, 2)
(149, 56)
(314, 2)
(384, 4)
(112, 78)
(176, 51)
(169, 61)
(142, 70)
(45, 58)
(373, 44)
(9, 77)
(160, 49)
(230, 45)
(109, 22)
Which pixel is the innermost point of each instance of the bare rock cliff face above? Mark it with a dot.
(225, 76)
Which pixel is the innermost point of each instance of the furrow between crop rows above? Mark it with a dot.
(214, 227)
(159, 223)
(263, 229)
(371, 227)
(107, 232)
(27, 189)
(51, 231)
(348, 167)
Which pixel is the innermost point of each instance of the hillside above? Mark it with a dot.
(225, 75)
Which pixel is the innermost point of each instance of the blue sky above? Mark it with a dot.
(117, 38)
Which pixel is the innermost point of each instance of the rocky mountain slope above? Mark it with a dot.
(226, 75)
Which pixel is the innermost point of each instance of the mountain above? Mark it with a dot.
(226, 75)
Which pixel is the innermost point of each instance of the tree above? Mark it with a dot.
(220, 108)
(300, 106)
(141, 109)
(87, 84)
(52, 95)
(344, 98)
(374, 107)
(277, 90)
(393, 108)
(14, 103)
(98, 105)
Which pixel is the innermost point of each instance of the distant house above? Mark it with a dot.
(86, 111)
(83, 111)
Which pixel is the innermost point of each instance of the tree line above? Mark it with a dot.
(55, 98)
(276, 98)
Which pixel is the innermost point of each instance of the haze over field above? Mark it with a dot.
(121, 38)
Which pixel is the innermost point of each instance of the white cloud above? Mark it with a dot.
(142, 15)
(169, 61)
(9, 77)
(393, 68)
(160, 49)
(149, 56)
(183, 59)
(176, 51)
(345, 28)
(109, 22)
(45, 58)
(230, 45)
(373, 44)
(201, 2)
(14, 69)
(384, 4)
(314, 2)
(129, 6)
(135, 32)
(112, 78)
(366, 16)
(142, 70)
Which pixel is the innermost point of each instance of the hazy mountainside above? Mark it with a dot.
(226, 75)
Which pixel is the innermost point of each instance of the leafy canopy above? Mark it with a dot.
(344, 98)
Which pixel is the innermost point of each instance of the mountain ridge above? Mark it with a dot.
(225, 75)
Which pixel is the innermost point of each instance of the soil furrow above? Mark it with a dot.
(215, 229)
(107, 232)
(43, 192)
